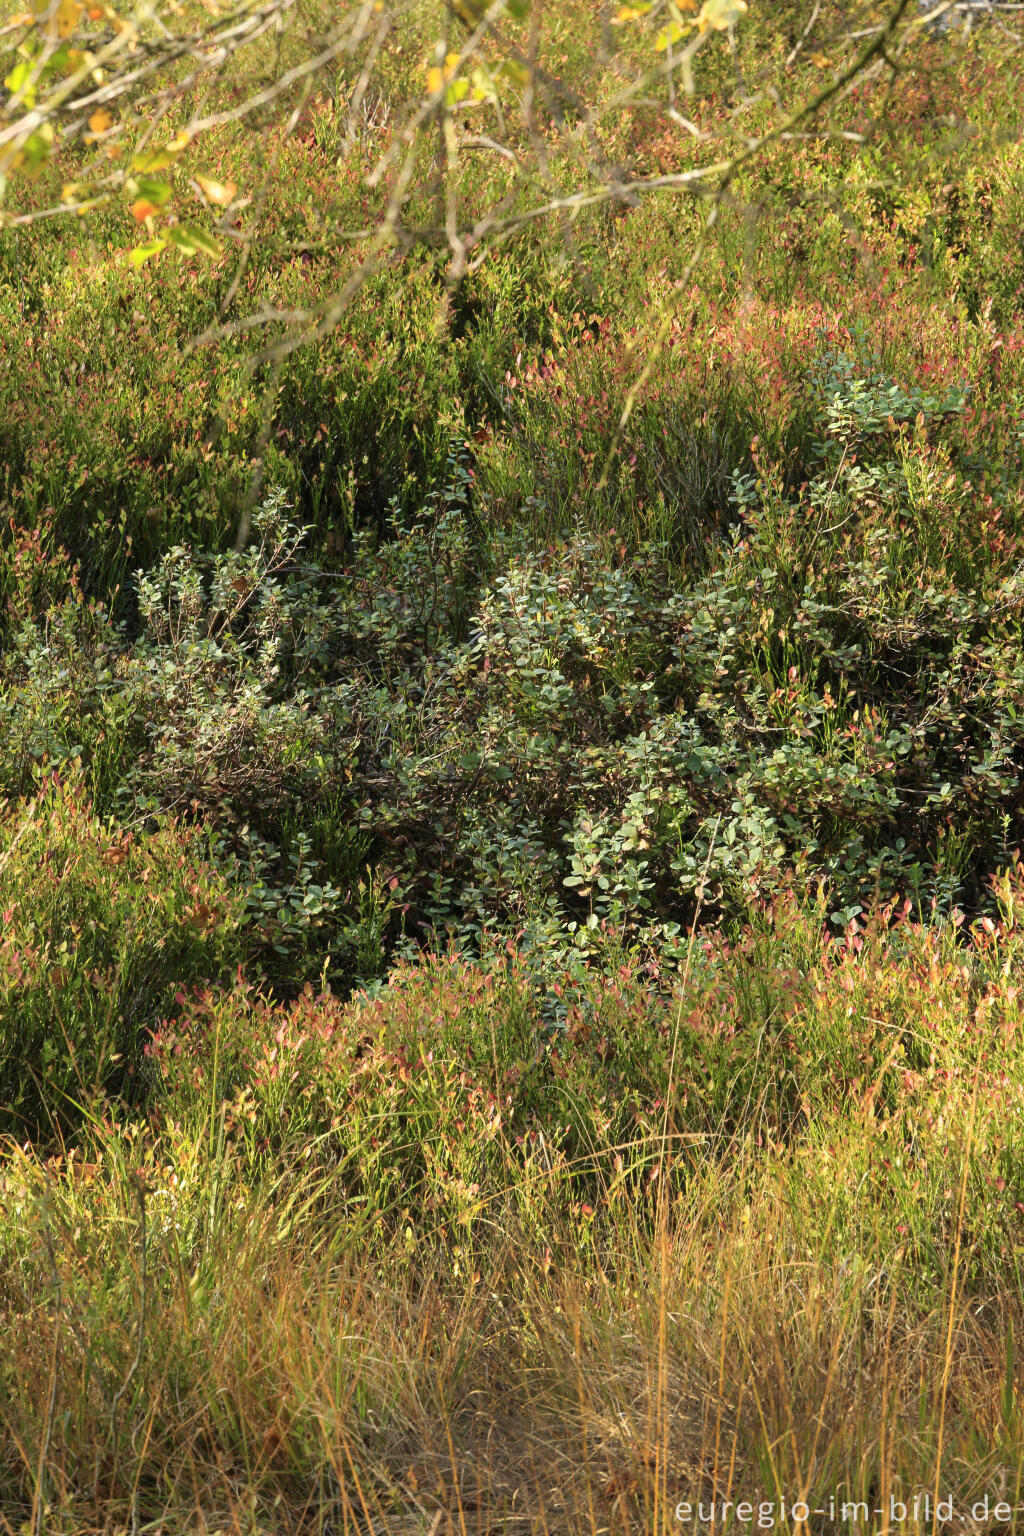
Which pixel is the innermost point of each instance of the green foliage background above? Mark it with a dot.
(460, 685)
(473, 901)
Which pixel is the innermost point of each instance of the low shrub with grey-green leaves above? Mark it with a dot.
(583, 744)
(229, 705)
(613, 744)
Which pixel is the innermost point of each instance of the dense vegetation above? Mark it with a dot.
(510, 980)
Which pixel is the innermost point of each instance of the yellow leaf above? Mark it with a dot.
(717, 15)
(820, 60)
(143, 209)
(629, 13)
(219, 192)
(67, 17)
(437, 77)
(483, 84)
(81, 192)
(669, 35)
(100, 121)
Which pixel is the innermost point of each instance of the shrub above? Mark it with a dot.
(614, 745)
(207, 712)
(101, 928)
(579, 744)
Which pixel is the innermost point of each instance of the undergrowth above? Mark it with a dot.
(510, 971)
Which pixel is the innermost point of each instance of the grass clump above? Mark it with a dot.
(751, 1244)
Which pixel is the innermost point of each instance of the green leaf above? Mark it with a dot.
(16, 80)
(156, 192)
(512, 70)
(178, 236)
(191, 238)
(143, 253)
(35, 151)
